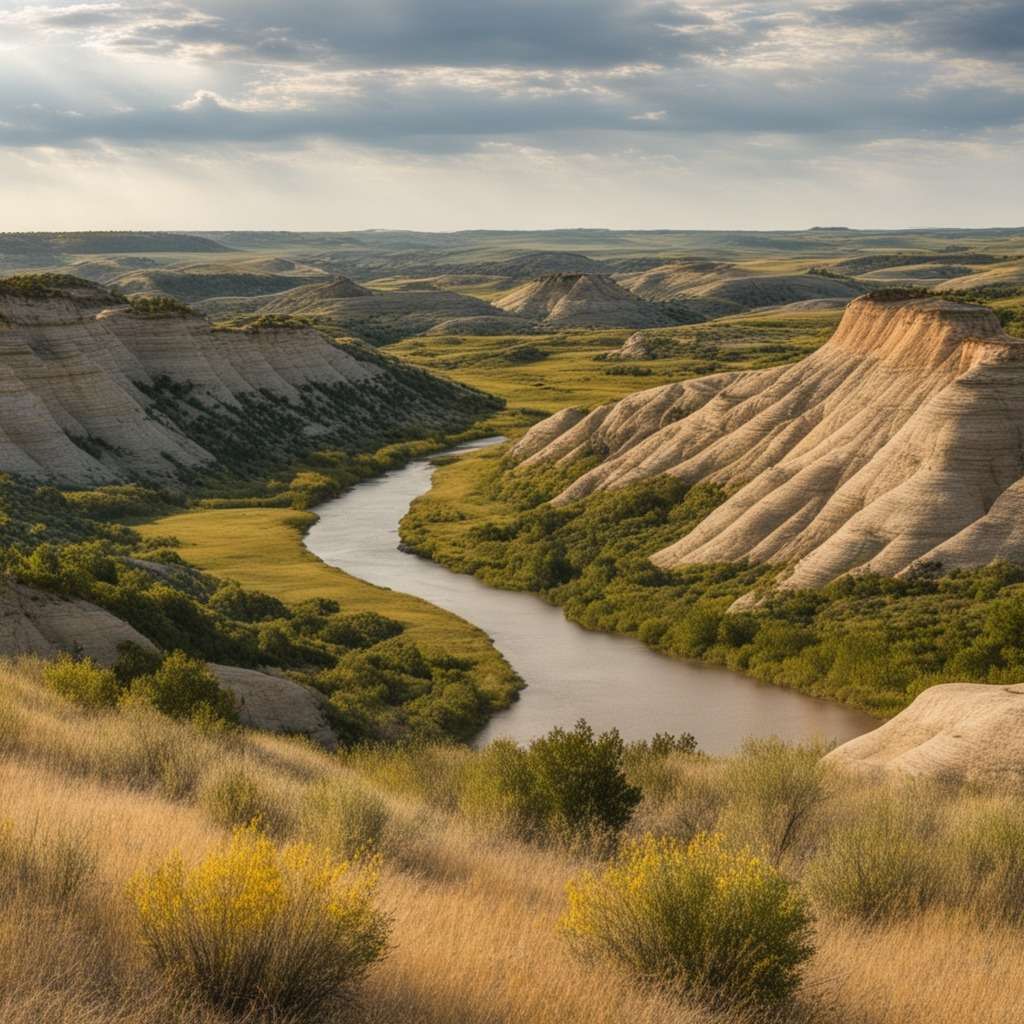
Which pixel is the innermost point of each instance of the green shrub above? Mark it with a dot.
(568, 783)
(286, 934)
(83, 681)
(182, 687)
(882, 860)
(991, 852)
(699, 918)
(361, 629)
(773, 790)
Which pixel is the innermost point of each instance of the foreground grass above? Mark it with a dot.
(262, 549)
(474, 939)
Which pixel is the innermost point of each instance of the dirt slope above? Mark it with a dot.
(581, 300)
(897, 442)
(93, 392)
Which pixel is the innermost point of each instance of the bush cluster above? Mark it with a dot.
(255, 928)
(567, 784)
(699, 918)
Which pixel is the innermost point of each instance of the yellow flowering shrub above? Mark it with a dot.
(701, 918)
(252, 926)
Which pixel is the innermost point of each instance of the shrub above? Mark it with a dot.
(881, 861)
(254, 928)
(580, 778)
(699, 918)
(183, 687)
(992, 851)
(83, 682)
(232, 797)
(566, 784)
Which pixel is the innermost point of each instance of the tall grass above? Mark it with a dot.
(94, 798)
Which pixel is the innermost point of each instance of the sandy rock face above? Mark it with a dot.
(961, 732)
(81, 380)
(581, 300)
(276, 704)
(896, 442)
(636, 346)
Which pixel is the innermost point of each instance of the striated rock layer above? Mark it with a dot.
(92, 392)
(900, 441)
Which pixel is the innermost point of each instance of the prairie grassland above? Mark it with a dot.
(551, 371)
(90, 799)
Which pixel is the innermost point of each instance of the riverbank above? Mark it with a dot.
(262, 549)
(869, 642)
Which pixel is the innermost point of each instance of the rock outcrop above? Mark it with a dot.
(898, 442)
(581, 300)
(957, 732)
(636, 346)
(33, 622)
(93, 392)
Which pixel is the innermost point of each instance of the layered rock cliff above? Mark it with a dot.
(93, 391)
(900, 441)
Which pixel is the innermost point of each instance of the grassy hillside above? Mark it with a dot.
(262, 549)
(551, 371)
(910, 885)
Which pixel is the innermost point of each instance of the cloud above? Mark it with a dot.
(983, 29)
(659, 80)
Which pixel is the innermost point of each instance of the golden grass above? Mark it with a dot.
(474, 916)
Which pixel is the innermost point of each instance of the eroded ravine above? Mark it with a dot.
(570, 672)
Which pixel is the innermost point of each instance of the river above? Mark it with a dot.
(570, 673)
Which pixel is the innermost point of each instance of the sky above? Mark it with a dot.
(520, 114)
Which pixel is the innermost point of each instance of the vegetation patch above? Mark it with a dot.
(871, 641)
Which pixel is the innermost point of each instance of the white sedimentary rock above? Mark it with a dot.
(74, 373)
(899, 441)
(961, 732)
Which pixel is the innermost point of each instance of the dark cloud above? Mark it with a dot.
(987, 29)
(456, 33)
(453, 75)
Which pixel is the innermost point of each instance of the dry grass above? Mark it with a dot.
(474, 936)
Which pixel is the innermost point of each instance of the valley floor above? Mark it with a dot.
(262, 549)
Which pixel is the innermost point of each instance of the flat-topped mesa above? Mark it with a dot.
(896, 442)
(917, 333)
(95, 391)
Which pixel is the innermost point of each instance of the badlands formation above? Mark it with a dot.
(95, 392)
(582, 300)
(714, 289)
(900, 442)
